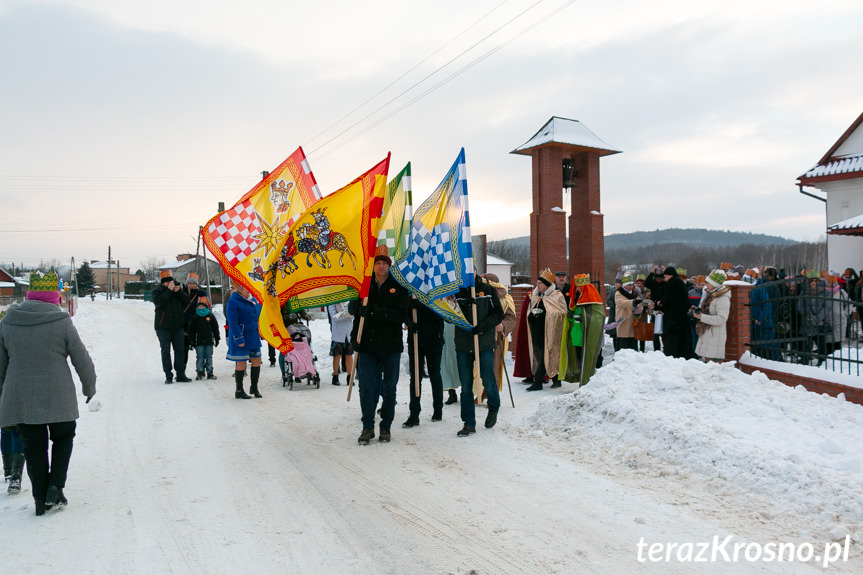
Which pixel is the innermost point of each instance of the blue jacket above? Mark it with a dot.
(242, 317)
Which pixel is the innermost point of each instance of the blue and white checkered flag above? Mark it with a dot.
(440, 258)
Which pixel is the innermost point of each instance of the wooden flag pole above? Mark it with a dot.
(508, 384)
(357, 353)
(477, 374)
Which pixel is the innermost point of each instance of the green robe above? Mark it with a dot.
(581, 342)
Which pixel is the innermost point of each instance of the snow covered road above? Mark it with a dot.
(184, 479)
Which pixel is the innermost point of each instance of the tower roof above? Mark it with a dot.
(569, 133)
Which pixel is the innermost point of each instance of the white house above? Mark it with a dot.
(839, 174)
(500, 267)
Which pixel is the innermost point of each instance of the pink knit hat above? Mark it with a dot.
(52, 297)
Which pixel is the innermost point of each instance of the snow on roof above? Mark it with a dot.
(855, 223)
(492, 260)
(836, 167)
(7, 284)
(563, 131)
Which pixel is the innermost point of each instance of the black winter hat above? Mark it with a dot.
(670, 271)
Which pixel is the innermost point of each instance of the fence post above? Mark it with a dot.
(739, 321)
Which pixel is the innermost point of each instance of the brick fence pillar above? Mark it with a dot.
(738, 324)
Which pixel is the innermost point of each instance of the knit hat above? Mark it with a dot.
(382, 254)
(203, 300)
(640, 278)
(43, 287)
(165, 275)
(192, 278)
(682, 272)
(626, 279)
(546, 277)
(581, 279)
(670, 271)
(716, 278)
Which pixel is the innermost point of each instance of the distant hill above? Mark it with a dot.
(694, 237)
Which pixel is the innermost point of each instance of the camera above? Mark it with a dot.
(175, 282)
(693, 310)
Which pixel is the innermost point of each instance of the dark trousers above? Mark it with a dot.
(432, 355)
(172, 339)
(677, 344)
(378, 374)
(35, 438)
(271, 353)
(626, 342)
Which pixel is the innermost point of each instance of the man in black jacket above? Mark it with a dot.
(429, 329)
(380, 348)
(170, 301)
(675, 305)
(489, 313)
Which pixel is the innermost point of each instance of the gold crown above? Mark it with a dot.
(43, 281)
(581, 279)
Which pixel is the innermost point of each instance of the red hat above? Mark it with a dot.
(382, 254)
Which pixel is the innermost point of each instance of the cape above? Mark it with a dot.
(522, 350)
(555, 312)
(584, 325)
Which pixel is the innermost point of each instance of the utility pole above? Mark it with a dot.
(198, 252)
(220, 209)
(74, 277)
(110, 288)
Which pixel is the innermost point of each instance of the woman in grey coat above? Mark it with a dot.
(37, 393)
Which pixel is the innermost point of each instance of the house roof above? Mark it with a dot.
(843, 161)
(850, 227)
(564, 131)
(492, 260)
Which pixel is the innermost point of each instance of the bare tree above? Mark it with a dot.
(150, 267)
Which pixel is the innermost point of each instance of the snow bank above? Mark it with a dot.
(800, 450)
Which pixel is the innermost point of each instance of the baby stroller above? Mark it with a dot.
(299, 363)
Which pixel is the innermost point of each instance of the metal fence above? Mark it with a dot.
(807, 322)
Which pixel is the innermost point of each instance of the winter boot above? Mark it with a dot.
(437, 415)
(15, 478)
(169, 378)
(181, 378)
(253, 389)
(240, 393)
(336, 379)
(555, 383)
(535, 387)
(466, 430)
(490, 419)
(453, 398)
(200, 376)
(211, 376)
(7, 466)
(54, 497)
(412, 421)
(384, 436)
(366, 436)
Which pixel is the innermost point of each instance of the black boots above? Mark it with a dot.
(7, 466)
(366, 436)
(412, 421)
(555, 383)
(253, 389)
(240, 393)
(453, 398)
(199, 376)
(336, 379)
(17, 463)
(535, 387)
(437, 415)
(490, 419)
(466, 430)
(54, 497)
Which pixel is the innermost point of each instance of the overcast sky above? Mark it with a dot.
(125, 123)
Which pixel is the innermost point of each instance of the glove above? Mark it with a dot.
(216, 344)
(89, 397)
(476, 330)
(364, 311)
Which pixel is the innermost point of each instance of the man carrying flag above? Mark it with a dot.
(380, 347)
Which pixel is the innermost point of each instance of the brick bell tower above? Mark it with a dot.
(565, 158)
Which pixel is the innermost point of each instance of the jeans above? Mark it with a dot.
(10, 441)
(35, 439)
(378, 374)
(432, 354)
(204, 361)
(172, 339)
(464, 359)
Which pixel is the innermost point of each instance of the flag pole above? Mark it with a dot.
(357, 353)
(477, 374)
(508, 384)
